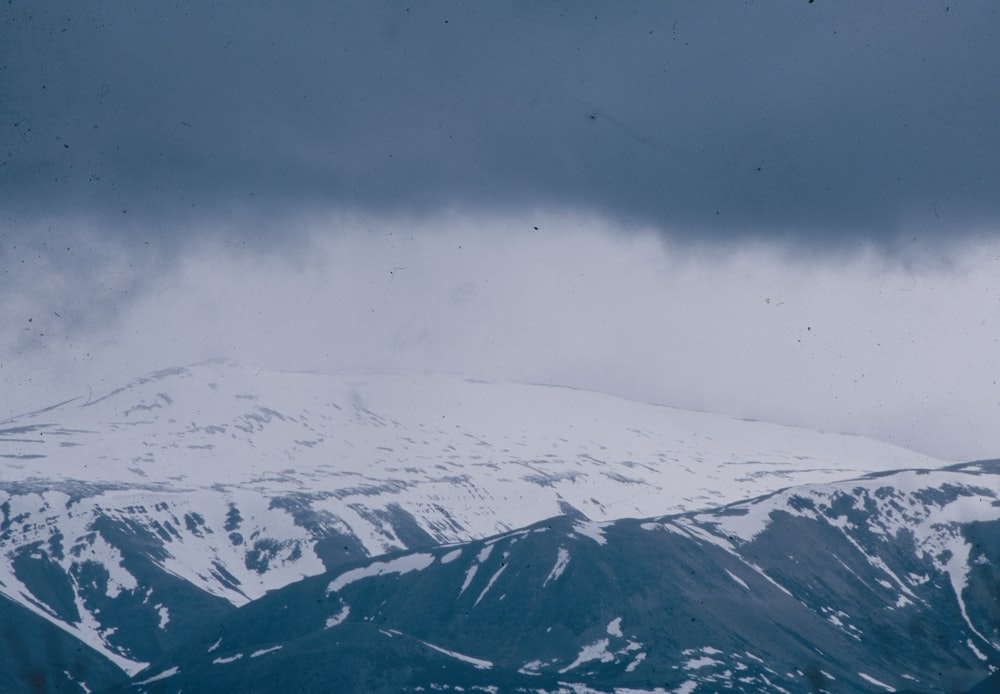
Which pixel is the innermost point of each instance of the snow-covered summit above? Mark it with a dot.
(420, 435)
(197, 488)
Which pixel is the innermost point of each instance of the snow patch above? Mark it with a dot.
(164, 615)
(263, 651)
(871, 680)
(615, 627)
(531, 667)
(162, 676)
(81, 685)
(698, 663)
(592, 530)
(485, 553)
(338, 618)
(562, 560)
(400, 565)
(595, 651)
(493, 579)
(978, 653)
(470, 574)
(228, 659)
(478, 663)
(737, 579)
(639, 657)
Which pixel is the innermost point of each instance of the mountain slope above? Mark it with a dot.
(37, 656)
(418, 437)
(887, 582)
(128, 517)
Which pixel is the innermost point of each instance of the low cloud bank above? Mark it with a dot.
(905, 352)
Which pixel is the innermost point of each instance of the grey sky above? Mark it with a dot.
(517, 190)
(818, 122)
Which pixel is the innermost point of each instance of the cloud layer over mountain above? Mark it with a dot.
(777, 211)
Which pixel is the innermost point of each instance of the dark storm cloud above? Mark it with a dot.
(808, 121)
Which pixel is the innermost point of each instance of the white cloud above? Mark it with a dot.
(853, 344)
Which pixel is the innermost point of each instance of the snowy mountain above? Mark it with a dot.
(884, 583)
(130, 518)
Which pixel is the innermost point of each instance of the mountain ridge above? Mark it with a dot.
(811, 601)
(235, 481)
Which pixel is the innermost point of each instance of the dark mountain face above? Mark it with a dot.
(99, 576)
(879, 584)
(990, 685)
(37, 656)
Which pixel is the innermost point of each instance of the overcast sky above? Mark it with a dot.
(780, 210)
